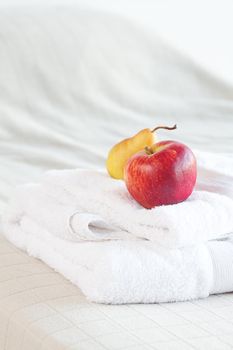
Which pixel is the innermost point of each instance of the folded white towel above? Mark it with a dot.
(54, 220)
(89, 205)
(119, 271)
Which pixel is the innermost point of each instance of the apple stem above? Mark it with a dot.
(148, 150)
(164, 127)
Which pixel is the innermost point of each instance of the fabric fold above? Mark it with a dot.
(91, 227)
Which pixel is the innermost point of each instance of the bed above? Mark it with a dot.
(75, 80)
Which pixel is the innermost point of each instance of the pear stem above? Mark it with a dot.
(148, 150)
(164, 127)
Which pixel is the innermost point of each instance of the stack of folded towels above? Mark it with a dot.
(85, 225)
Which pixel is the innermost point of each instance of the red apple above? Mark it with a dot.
(163, 174)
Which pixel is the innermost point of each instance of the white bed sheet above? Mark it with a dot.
(73, 83)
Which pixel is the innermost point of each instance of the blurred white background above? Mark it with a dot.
(202, 29)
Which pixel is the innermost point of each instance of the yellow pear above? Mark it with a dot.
(122, 151)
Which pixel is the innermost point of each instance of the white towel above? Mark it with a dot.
(119, 272)
(137, 272)
(88, 205)
(55, 219)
